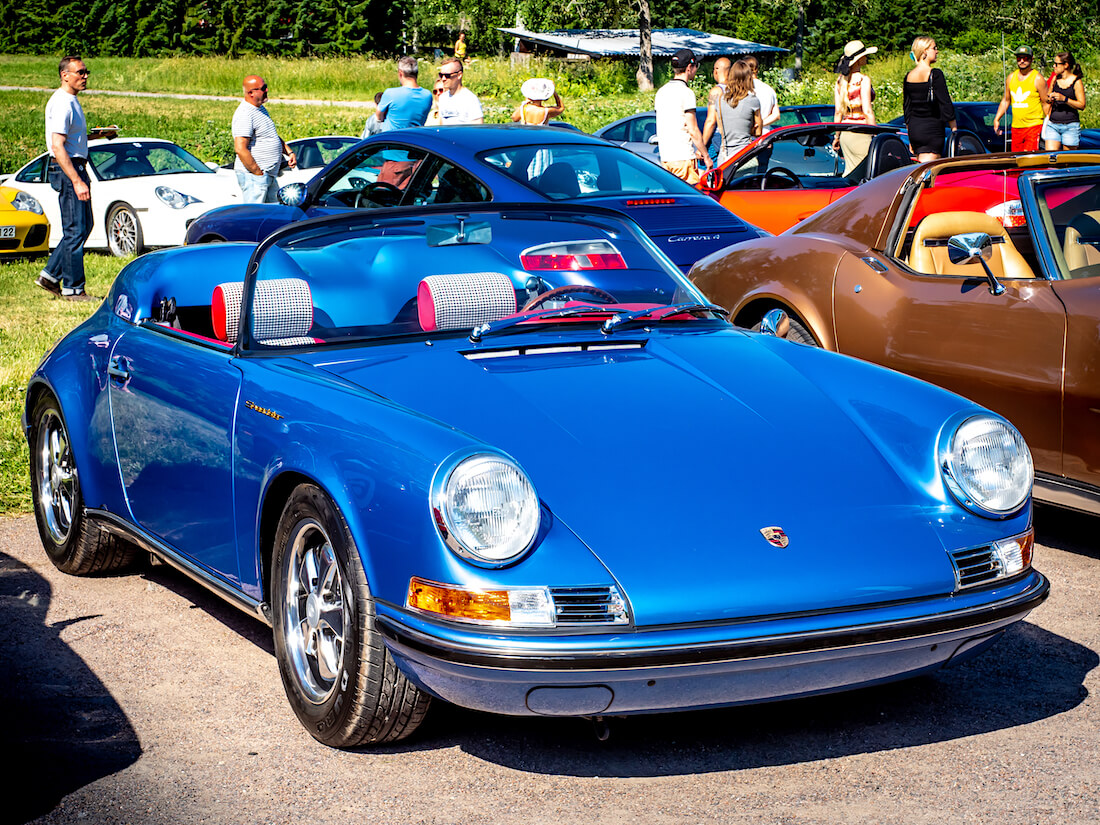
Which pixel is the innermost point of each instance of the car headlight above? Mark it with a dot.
(26, 203)
(177, 200)
(485, 508)
(987, 466)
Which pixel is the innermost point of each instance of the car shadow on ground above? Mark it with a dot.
(62, 728)
(1066, 530)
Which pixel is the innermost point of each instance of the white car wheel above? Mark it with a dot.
(124, 236)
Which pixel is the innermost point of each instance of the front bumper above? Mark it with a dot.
(682, 668)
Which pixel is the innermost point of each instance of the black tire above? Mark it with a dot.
(73, 544)
(340, 679)
(800, 335)
(124, 236)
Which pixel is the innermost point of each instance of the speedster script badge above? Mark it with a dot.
(775, 535)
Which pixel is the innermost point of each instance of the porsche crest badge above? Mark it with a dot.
(775, 535)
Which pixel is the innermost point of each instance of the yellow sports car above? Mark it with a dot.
(24, 229)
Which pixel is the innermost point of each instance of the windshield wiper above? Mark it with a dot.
(492, 327)
(620, 319)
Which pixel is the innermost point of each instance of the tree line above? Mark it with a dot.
(142, 28)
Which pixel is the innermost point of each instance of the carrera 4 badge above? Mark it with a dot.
(263, 410)
(775, 535)
(680, 238)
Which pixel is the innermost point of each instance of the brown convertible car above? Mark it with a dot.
(978, 274)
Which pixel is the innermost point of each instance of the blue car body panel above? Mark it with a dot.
(686, 224)
(660, 451)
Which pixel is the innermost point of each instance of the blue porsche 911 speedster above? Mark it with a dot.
(493, 163)
(509, 457)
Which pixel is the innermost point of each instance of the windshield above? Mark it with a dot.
(570, 171)
(438, 272)
(132, 160)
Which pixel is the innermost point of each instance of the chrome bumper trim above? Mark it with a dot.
(713, 652)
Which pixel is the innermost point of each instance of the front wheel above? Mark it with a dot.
(124, 235)
(73, 544)
(340, 679)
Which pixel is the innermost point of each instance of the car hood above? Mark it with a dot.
(243, 222)
(669, 461)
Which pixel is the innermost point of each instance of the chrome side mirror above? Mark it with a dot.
(969, 247)
(775, 322)
(293, 194)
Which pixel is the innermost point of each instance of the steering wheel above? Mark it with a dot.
(604, 296)
(388, 191)
(785, 172)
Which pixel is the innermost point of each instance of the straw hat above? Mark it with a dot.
(855, 49)
(537, 88)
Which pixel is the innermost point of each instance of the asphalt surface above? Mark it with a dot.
(141, 699)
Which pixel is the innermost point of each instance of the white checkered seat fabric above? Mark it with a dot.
(463, 301)
(282, 312)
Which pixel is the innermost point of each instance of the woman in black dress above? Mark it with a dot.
(926, 103)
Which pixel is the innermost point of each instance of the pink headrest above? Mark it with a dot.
(464, 301)
(281, 308)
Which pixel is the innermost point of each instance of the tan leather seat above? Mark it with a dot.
(1082, 255)
(1005, 262)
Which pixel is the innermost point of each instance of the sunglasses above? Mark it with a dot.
(447, 76)
(437, 91)
(1060, 63)
(81, 72)
(259, 88)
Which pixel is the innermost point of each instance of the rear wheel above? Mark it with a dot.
(340, 679)
(73, 544)
(124, 235)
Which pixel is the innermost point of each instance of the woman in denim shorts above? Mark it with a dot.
(1062, 129)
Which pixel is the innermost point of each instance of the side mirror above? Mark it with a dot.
(293, 194)
(775, 322)
(711, 181)
(970, 247)
(652, 140)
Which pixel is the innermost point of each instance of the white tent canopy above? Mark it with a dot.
(624, 42)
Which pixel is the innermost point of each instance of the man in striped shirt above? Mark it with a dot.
(258, 146)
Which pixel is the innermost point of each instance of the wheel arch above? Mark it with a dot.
(271, 509)
(753, 311)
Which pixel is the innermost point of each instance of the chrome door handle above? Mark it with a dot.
(119, 368)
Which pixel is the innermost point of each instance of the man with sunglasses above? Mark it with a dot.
(67, 141)
(258, 146)
(457, 104)
(1026, 92)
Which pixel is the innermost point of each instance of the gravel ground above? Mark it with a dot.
(141, 699)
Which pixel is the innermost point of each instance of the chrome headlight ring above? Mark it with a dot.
(485, 507)
(986, 464)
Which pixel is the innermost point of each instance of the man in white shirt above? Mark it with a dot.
(769, 100)
(258, 146)
(457, 104)
(67, 142)
(679, 141)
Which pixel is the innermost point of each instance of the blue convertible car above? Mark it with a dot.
(479, 164)
(511, 458)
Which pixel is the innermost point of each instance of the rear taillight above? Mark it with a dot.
(572, 256)
(1009, 213)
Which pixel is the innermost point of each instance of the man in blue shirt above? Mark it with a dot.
(405, 105)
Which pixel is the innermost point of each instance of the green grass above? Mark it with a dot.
(31, 321)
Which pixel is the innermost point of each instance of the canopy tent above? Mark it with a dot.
(624, 43)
